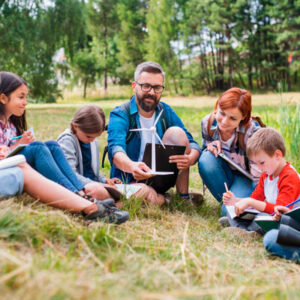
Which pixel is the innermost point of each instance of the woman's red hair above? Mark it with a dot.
(239, 98)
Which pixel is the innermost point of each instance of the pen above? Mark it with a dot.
(16, 137)
(223, 149)
(290, 204)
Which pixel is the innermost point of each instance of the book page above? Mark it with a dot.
(230, 209)
(128, 189)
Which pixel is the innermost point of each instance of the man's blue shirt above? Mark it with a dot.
(118, 128)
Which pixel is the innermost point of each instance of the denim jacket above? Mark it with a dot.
(118, 129)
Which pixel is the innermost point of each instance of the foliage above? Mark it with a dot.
(86, 66)
(204, 46)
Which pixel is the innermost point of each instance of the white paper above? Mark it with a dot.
(127, 189)
(12, 161)
(230, 209)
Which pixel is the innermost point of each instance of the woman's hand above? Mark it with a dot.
(215, 147)
(279, 210)
(27, 138)
(3, 151)
(229, 198)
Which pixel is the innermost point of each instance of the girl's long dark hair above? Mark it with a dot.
(9, 82)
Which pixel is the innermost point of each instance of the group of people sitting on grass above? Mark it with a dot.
(65, 173)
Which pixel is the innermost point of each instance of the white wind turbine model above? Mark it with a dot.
(153, 151)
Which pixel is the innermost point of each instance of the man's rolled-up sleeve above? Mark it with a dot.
(117, 131)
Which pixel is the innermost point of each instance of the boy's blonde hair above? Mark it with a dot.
(89, 119)
(265, 139)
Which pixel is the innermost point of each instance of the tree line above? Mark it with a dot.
(202, 45)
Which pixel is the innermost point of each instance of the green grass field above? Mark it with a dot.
(173, 252)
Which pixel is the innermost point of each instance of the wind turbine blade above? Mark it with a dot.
(155, 122)
(160, 140)
(140, 129)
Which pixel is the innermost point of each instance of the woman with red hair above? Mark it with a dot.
(227, 130)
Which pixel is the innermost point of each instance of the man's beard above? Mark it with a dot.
(147, 107)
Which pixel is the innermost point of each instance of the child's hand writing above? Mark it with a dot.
(3, 151)
(241, 205)
(279, 210)
(27, 138)
(229, 198)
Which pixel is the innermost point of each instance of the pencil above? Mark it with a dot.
(16, 137)
(226, 188)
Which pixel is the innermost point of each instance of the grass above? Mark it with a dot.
(174, 252)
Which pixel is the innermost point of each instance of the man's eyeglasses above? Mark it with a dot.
(146, 87)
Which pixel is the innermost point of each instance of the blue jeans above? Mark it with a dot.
(214, 171)
(48, 159)
(272, 246)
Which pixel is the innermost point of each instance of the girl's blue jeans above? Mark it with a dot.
(214, 171)
(271, 245)
(48, 159)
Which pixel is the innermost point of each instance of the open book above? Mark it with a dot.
(122, 190)
(12, 161)
(248, 214)
(267, 223)
(236, 166)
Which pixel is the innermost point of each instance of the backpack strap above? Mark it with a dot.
(132, 121)
(209, 124)
(258, 120)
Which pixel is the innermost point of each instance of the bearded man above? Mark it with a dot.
(126, 148)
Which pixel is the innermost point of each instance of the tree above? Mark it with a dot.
(86, 66)
(162, 28)
(131, 37)
(103, 24)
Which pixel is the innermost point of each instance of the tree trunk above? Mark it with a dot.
(85, 87)
(250, 83)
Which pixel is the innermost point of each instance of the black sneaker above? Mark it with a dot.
(108, 201)
(108, 214)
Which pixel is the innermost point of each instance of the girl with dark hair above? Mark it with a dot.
(47, 158)
(227, 130)
(81, 149)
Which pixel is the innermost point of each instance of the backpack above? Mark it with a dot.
(132, 125)
(241, 136)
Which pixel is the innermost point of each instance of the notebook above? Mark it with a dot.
(161, 183)
(121, 190)
(162, 156)
(235, 165)
(12, 161)
(16, 150)
(248, 214)
(267, 223)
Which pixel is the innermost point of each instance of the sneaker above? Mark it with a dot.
(108, 214)
(108, 201)
(224, 222)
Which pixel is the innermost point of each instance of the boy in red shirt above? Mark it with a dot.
(279, 183)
